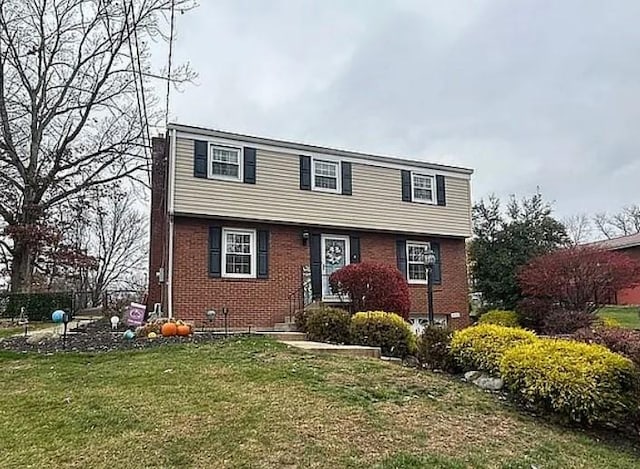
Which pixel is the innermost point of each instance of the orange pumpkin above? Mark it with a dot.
(169, 329)
(183, 329)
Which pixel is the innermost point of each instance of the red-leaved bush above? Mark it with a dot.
(373, 287)
(578, 278)
(617, 339)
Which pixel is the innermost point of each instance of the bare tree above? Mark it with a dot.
(69, 108)
(119, 244)
(624, 223)
(579, 229)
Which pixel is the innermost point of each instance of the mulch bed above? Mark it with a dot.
(98, 337)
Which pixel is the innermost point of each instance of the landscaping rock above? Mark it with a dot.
(484, 380)
(489, 383)
(471, 375)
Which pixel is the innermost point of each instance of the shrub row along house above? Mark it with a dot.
(257, 225)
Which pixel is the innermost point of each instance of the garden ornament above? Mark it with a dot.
(114, 322)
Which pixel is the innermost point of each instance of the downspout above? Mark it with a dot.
(172, 163)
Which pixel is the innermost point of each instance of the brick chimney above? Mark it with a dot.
(158, 223)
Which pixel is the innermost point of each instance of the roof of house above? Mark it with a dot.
(315, 148)
(622, 242)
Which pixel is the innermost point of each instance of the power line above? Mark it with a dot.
(169, 59)
(140, 92)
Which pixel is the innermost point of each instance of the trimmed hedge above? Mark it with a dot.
(481, 347)
(385, 330)
(37, 306)
(581, 382)
(500, 317)
(328, 325)
(434, 348)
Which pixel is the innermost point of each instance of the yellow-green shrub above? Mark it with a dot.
(385, 330)
(581, 382)
(481, 347)
(500, 317)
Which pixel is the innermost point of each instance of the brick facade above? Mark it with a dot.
(261, 303)
(629, 296)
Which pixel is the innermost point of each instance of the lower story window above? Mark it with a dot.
(239, 249)
(416, 271)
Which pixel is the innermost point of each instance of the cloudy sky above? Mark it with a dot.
(528, 93)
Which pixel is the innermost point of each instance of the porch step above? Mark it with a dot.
(321, 347)
(285, 336)
(285, 327)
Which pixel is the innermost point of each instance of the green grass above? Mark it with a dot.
(627, 316)
(9, 331)
(254, 403)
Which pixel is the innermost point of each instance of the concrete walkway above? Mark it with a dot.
(59, 328)
(321, 347)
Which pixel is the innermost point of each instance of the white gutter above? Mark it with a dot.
(171, 190)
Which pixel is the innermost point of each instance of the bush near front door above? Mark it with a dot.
(373, 286)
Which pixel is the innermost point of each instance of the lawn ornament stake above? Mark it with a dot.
(63, 317)
(114, 322)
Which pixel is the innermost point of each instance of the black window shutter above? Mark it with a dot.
(249, 169)
(354, 248)
(305, 172)
(440, 190)
(215, 251)
(401, 256)
(346, 178)
(437, 268)
(406, 185)
(263, 254)
(316, 266)
(200, 152)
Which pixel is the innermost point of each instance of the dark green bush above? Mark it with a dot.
(37, 306)
(385, 330)
(328, 325)
(434, 348)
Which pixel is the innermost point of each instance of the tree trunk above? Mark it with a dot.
(21, 267)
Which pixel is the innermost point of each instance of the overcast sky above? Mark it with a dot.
(528, 93)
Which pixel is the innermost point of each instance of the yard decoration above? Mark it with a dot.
(169, 329)
(152, 335)
(114, 322)
(57, 316)
(183, 330)
(128, 334)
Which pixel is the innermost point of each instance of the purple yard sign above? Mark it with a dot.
(134, 315)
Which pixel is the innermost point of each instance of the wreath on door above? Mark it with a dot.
(335, 254)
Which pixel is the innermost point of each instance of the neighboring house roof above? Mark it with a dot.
(314, 148)
(622, 242)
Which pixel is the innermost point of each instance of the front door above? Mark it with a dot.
(335, 255)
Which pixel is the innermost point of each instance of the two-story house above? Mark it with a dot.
(257, 225)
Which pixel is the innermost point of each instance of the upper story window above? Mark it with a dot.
(239, 251)
(423, 188)
(416, 272)
(225, 162)
(326, 175)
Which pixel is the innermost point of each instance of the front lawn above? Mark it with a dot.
(254, 403)
(627, 316)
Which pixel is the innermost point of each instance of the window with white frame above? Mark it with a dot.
(423, 187)
(224, 162)
(239, 250)
(326, 175)
(416, 272)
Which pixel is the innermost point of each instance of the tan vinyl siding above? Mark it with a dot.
(376, 202)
